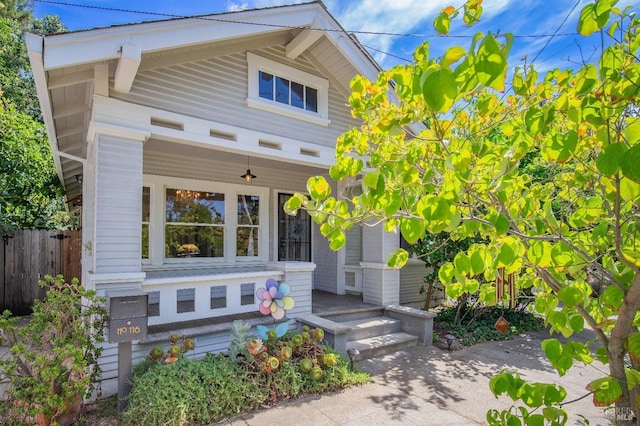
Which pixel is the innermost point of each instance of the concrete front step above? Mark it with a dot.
(381, 345)
(371, 327)
(374, 331)
(354, 314)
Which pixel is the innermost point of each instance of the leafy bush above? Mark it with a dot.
(200, 392)
(52, 363)
(482, 329)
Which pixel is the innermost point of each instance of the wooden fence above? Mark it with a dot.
(27, 256)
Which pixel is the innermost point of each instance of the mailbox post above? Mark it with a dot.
(127, 322)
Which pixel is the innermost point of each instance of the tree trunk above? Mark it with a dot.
(617, 352)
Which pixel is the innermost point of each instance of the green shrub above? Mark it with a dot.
(190, 392)
(482, 329)
(52, 363)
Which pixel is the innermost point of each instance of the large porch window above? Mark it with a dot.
(189, 221)
(294, 233)
(194, 224)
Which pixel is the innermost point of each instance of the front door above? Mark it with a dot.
(294, 234)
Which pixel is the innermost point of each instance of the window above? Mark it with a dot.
(186, 300)
(218, 297)
(294, 233)
(153, 306)
(248, 225)
(285, 90)
(194, 224)
(247, 292)
(146, 210)
(186, 221)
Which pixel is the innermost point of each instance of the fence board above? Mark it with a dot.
(72, 255)
(27, 256)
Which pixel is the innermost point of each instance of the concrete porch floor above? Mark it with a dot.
(324, 302)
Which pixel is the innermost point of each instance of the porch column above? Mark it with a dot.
(113, 217)
(380, 284)
(299, 276)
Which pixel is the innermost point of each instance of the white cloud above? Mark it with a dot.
(235, 7)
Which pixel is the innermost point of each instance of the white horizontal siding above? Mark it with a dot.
(217, 88)
(353, 247)
(411, 280)
(118, 205)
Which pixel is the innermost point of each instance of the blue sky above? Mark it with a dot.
(531, 21)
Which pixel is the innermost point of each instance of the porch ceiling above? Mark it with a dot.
(199, 156)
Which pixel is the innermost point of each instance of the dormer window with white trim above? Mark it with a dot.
(284, 90)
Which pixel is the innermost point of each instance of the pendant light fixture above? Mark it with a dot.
(248, 177)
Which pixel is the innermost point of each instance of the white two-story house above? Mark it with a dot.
(158, 128)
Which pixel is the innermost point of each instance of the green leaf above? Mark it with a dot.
(502, 224)
(441, 23)
(398, 258)
(539, 253)
(576, 322)
(491, 63)
(606, 391)
(562, 146)
(293, 204)
(318, 187)
(445, 273)
(610, 159)
(633, 378)
(499, 384)
(476, 261)
(632, 131)
(629, 190)
(552, 348)
(554, 394)
(630, 162)
(372, 179)
(462, 263)
(488, 294)
(452, 55)
(391, 202)
(591, 21)
(531, 395)
(411, 229)
(561, 255)
(558, 356)
(633, 347)
(454, 290)
(612, 297)
(337, 240)
(440, 90)
(571, 296)
(506, 256)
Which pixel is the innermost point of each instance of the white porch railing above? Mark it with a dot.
(186, 298)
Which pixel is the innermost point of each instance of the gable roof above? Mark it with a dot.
(69, 68)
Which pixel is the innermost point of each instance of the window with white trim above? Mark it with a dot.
(285, 90)
(279, 89)
(248, 225)
(146, 210)
(192, 221)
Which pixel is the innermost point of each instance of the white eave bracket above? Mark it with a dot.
(304, 40)
(128, 64)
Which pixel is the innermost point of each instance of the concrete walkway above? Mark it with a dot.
(429, 386)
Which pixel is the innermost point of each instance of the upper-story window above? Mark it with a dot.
(285, 90)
